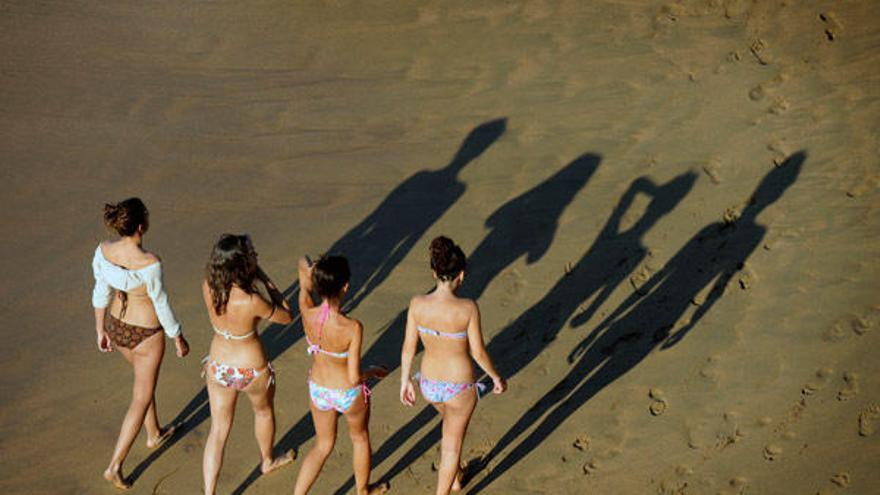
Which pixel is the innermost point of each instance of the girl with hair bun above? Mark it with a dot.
(139, 313)
(237, 362)
(449, 329)
(337, 385)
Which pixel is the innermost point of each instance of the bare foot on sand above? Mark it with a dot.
(456, 483)
(164, 435)
(378, 488)
(115, 477)
(278, 462)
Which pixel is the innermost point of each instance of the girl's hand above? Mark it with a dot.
(499, 385)
(104, 344)
(182, 346)
(407, 393)
(378, 371)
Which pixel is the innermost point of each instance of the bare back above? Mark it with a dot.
(440, 319)
(243, 311)
(336, 335)
(139, 308)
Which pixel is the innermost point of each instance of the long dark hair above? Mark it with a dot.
(231, 263)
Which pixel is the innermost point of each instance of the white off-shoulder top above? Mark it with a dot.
(108, 275)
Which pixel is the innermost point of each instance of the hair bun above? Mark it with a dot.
(447, 258)
(126, 216)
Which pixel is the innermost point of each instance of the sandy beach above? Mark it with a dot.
(671, 212)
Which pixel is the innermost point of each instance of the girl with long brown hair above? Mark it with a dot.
(237, 362)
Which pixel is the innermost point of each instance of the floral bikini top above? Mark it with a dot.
(315, 348)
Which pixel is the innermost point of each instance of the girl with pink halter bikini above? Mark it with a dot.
(336, 383)
(237, 362)
(449, 328)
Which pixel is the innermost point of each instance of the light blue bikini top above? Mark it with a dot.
(448, 335)
(313, 348)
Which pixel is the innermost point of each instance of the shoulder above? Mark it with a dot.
(417, 301)
(469, 305)
(149, 259)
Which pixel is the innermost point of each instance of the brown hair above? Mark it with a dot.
(447, 258)
(329, 275)
(231, 263)
(125, 217)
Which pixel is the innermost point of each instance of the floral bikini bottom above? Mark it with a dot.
(340, 399)
(235, 377)
(438, 391)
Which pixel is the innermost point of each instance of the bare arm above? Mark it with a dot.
(407, 353)
(305, 285)
(478, 351)
(354, 354)
(279, 311)
(103, 338)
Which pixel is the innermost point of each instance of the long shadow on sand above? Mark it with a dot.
(374, 247)
(605, 265)
(647, 318)
(377, 245)
(524, 226)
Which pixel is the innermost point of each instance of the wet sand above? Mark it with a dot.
(671, 211)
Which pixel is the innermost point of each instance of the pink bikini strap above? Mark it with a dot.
(322, 318)
(367, 392)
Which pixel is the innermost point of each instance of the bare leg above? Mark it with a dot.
(456, 414)
(358, 418)
(145, 358)
(263, 400)
(325, 439)
(222, 401)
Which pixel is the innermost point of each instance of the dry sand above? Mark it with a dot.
(597, 158)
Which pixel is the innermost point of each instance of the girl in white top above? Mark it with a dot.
(139, 312)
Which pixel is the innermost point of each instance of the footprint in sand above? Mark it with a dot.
(834, 333)
(582, 442)
(772, 452)
(590, 467)
(658, 407)
(861, 324)
(747, 277)
(779, 106)
(713, 171)
(757, 93)
(851, 388)
(841, 480)
(779, 150)
(759, 51)
(639, 279)
(867, 418)
(832, 26)
(823, 375)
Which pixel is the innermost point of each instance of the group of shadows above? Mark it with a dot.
(526, 226)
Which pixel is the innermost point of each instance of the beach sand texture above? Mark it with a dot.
(671, 211)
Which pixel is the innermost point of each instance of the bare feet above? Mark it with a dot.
(378, 488)
(278, 462)
(164, 435)
(456, 483)
(115, 477)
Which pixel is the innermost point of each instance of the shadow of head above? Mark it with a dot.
(775, 183)
(476, 143)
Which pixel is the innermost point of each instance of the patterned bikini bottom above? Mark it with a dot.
(125, 334)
